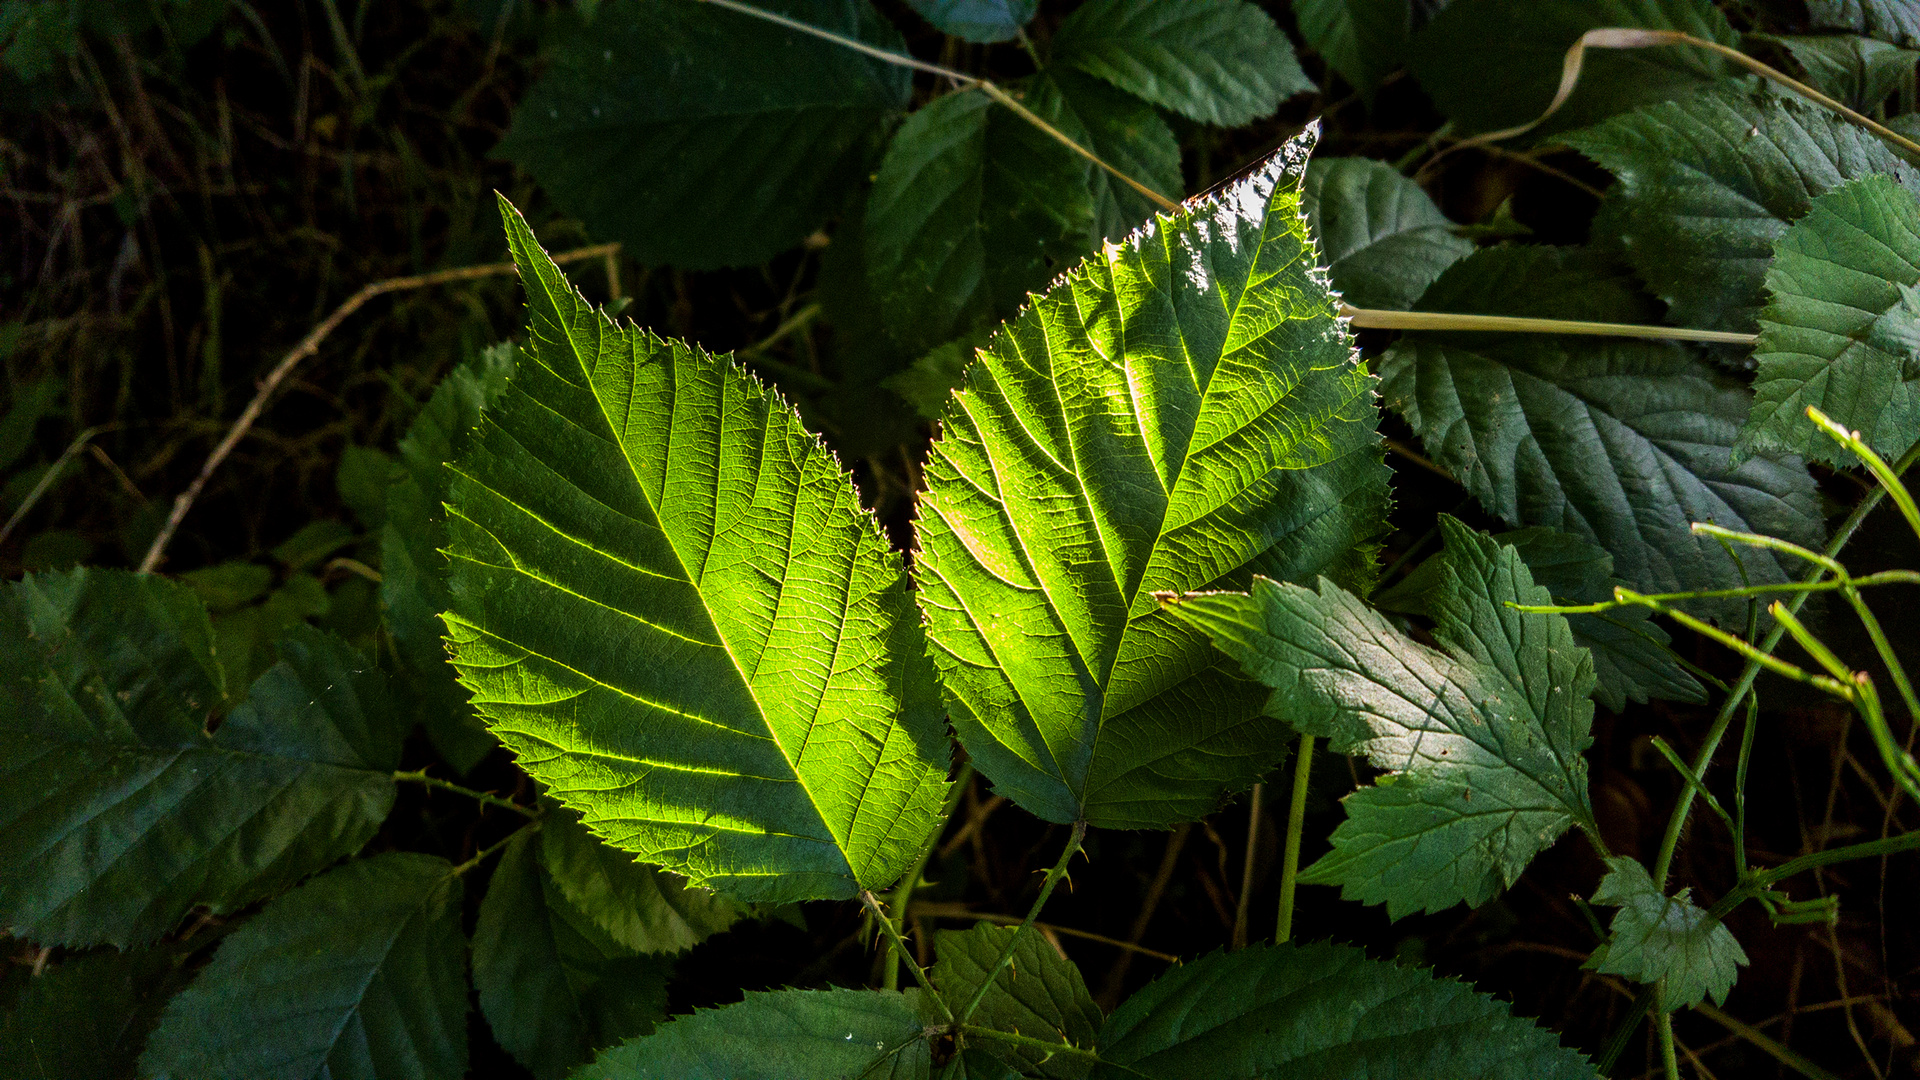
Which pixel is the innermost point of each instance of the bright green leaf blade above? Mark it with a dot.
(1708, 184)
(1122, 131)
(1664, 940)
(1363, 40)
(1860, 72)
(1314, 1012)
(360, 972)
(1381, 238)
(1897, 21)
(87, 1017)
(1619, 442)
(1040, 995)
(972, 207)
(413, 583)
(1183, 410)
(1485, 739)
(122, 812)
(644, 909)
(552, 994)
(1526, 43)
(669, 604)
(783, 1035)
(977, 20)
(1217, 61)
(1842, 333)
(701, 137)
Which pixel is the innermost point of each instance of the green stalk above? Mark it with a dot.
(1046, 890)
(903, 892)
(1663, 1025)
(1296, 824)
(900, 947)
(421, 777)
(1025, 1042)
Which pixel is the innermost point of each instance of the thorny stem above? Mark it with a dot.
(893, 937)
(420, 777)
(1046, 890)
(903, 892)
(1296, 825)
(485, 852)
(1026, 1042)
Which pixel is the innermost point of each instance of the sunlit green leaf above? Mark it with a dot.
(1218, 61)
(1664, 940)
(643, 909)
(784, 1035)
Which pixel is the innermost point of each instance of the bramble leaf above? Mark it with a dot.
(1664, 940)
(1302, 1012)
(1842, 333)
(359, 972)
(782, 1035)
(1217, 61)
(1381, 238)
(1483, 740)
(643, 909)
(88, 1016)
(1624, 443)
(1363, 40)
(1040, 995)
(1121, 130)
(1890, 20)
(1861, 72)
(748, 134)
(1707, 185)
(669, 604)
(977, 20)
(124, 812)
(1182, 411)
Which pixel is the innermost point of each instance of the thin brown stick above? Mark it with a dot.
(960, 911)
(307, 347)
(1169, 858)
(1380, 319)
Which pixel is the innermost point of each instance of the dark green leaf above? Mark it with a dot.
(702, 137)
(1523, 45)
(1218, 61)
(1664, 940)
(86, 1019)
(362, 478)
(360, 972)
(1484, 740)
(1708, 184)
(1041, 995)
(1897, 21)
(932, 379)
(1363, 40)
(1859, 71)
(36, 401)
(1842, 333)
(784, 1035)
(1122, 131)
(670, 605)
(977, 20)
(553, 987)
(972, 207)
(643, 909)
(1181, 411)
(1620, 442)
(1381, 238)
(245, 637)
(1321, 1012)
(123, 813)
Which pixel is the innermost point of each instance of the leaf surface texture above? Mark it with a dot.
(781, 1035)
(1217, 61)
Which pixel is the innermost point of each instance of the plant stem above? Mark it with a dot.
(421, 777)
(893, 936)
(1046, 890)
(962, 912)
(481, 856)
(1059, 1049)
(1246, 870)
(1296, 824)
(1663, 1025)
(1377, 319)
(903, 892)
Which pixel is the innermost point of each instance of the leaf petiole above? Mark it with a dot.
(1046, 890)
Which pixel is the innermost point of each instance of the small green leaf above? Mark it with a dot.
(362, 479)
(669, 604)
(1363, 40)
(1897, 21)
(1381, 238)
(1041, 995)
(1217, 61)
(972, 208)
(1182, 410)
(701, 137)
(1484, 740)
(1707, 185)
(88, 1016)
(643, 909)
(1859, 71)
(1663, 940)
(1526, 44)
(931, 380)
(1309, 1012)
(555, 989)
(783, 1035)
(1122, 131)
(1842, 333)
(977, 20)
(360, 972)
(124, 812)
(1623, 443)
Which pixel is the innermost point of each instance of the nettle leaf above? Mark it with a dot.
(1040, 995)
(1842, 333)
(971, 208)
(124, 813)
(413, 584)
(977, 20)
(782, 1035)
(1892, 20)
(1483, 740)
(1707, 186)
(360, 972)
(670, 606)
(1217, 61)
(1382, 239)
(1624, 443)
(88, 1016)
(1861, 72)
(1664, 940)
(1363, 40)
(643, 909)
(1308, 1012)
(1527, 45)
(554, 987)
(747, 134)
(1631, 657)
(1122, 131)
(1180, 412)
